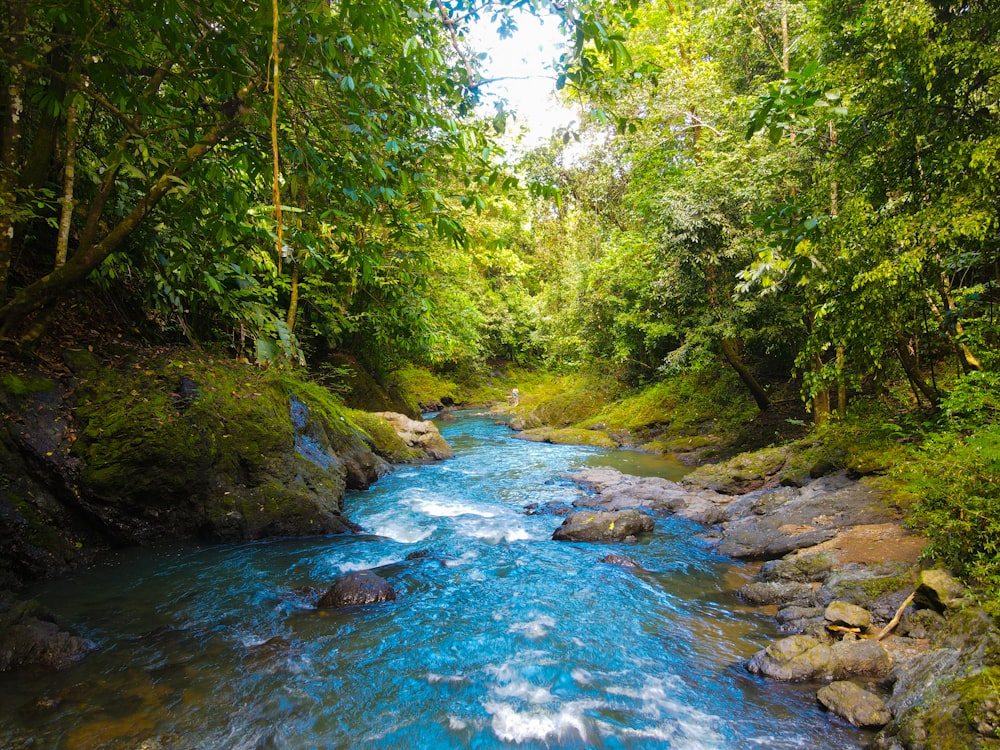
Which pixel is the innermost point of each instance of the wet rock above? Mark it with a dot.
(795, 613)
(801, 568)
(774, 592)
(620, 560)
(612, 490)
(860, 658)
(804, 657)
(419, 434)
(548, 509)
(847, 615)
(937, 590)
(29, 636)
(793, 659)
(603, 526)
(852, 702)
(360, 587)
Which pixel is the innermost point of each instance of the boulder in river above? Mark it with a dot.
(419, 434)
(359, 587)
(854, 703)
(620, 560)
(603, 526)
(803, 657)
(29, 636)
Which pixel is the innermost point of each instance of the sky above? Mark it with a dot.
(526, 61)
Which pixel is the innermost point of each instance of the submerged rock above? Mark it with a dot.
(603, 526)
(620, 560)
(29, 636)
(357, 588)
(852, 702)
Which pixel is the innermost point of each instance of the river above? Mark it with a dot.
(500, 638)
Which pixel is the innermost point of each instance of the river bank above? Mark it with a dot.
(142, 447)
(888, 644)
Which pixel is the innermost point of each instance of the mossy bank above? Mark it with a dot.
(173, 444)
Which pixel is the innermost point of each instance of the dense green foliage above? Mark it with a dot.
(799, 191)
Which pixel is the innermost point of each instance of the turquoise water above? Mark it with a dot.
(502, 638)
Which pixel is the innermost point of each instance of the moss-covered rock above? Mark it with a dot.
(742, 473)
(568, 436)
(176, 444)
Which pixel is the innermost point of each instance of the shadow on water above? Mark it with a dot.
(499, 637)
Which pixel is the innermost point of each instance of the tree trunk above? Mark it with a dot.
(45, 292)
(841, 384)
(912, 373)
(10, 136)
(69, 177)
(733, 358)
(276, 177)
(821, 398)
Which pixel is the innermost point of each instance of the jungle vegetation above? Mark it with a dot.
(800, 191)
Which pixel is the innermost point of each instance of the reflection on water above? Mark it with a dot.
(639, 464)
(499, 637)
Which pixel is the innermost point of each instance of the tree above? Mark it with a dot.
(369, 104)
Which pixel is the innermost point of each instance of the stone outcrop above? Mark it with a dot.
(799, 658)
(29, 635)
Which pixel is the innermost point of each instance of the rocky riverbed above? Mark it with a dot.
(888, 644)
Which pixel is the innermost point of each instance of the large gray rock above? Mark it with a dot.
(793, 659)
(360, 587)
(612, 490)
(603, 526)
(768, 524)
(860, 659)
(854, 703)
(801, 568)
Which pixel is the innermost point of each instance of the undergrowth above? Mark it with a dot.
(953, 478)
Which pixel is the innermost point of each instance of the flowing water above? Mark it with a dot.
(499, 638)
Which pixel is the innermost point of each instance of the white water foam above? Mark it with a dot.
(439, 508)
(351, 566)
(404, 530)
(534, 629)
(448, 679)
(525, 691)
(496, 531)
(535, 724)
